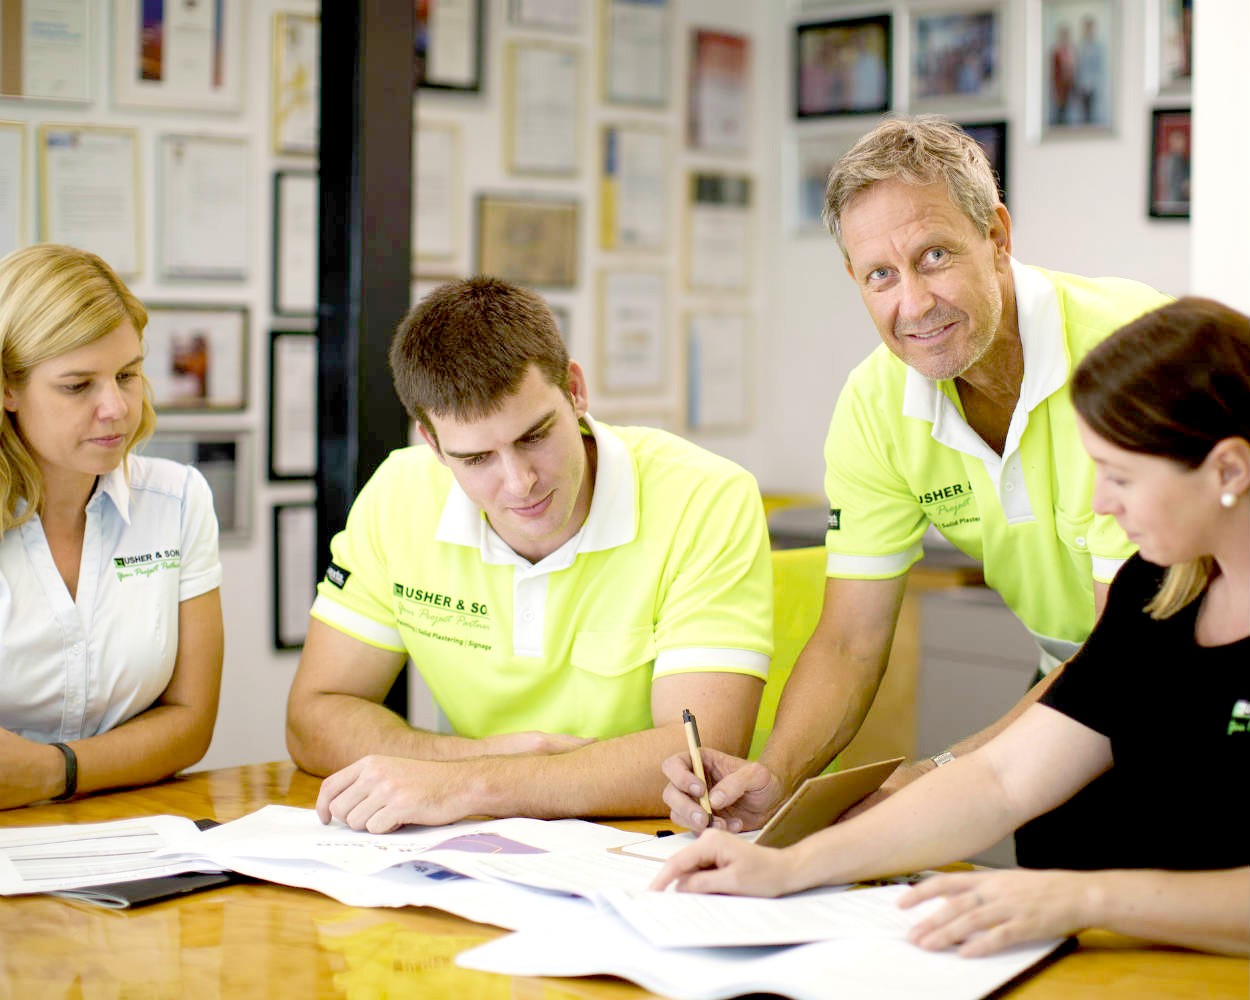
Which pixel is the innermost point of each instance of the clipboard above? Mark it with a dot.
(819, 801)
(814, 805)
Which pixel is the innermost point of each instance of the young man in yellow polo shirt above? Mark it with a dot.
(564, 587)
(959, 421)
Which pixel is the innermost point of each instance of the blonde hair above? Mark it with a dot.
(53, 299)
(919, 151)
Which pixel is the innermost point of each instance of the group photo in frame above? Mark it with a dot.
(843, 67)
(1078, 65)
(294, 571)
(529, 241)
(292, 405)
(197, 357)
(223, 458)
(447, 45)
(187, 56)
(1170, 148)
(957, 56)
(45, 53)
(814, 157)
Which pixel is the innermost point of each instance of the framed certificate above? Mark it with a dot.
(204, 207)
(633, 328)
(529, 241)
(541, 125)
(295, 211)
(634, 188)
(436, 193)
(13, 186)
(184, 54)
(292, 405)
(294, 571)
(224, 458)
(718, 232)
(46, 49)
(448, 44)
(719, 109)
(295, 93)
(89, 191)
(197, 357)
(636, 42)
(719, 363)
(553, 15)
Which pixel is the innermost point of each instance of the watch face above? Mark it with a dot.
(945, 757)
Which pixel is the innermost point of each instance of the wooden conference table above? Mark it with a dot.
(260, 940)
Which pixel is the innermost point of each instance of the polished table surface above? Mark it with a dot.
(260, 940)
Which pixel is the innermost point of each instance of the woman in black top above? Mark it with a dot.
(1160, 690)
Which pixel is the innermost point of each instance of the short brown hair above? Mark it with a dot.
(923, 150)
(1173, 383)
(467, 345)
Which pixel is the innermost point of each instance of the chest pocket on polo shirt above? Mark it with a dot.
(1074, 531)
(613, 654)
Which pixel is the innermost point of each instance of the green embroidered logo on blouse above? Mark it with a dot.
(147, 563)
(1241, 717)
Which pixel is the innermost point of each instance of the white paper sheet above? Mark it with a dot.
(48, 858)
(859, 968)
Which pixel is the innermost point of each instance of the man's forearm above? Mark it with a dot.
(614, 777)
(326, 732)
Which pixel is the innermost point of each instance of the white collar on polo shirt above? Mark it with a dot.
(1045, 365)
(611, 521)
(113, 485)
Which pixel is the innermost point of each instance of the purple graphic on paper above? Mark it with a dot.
(486, 843)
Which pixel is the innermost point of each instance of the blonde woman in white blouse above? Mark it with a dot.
(110, 617)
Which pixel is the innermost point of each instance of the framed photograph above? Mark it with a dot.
(814, 157)
(719, 363)
(436, 193)
(224, 458)
(46, 52)
(633, 200)
(295, 243)
(182, 55)
(718, 232)
(546, 15)
(842, 67)
(197, 357)
(541, 110)
(292, 405)
(636, 42)
(992, 137)
(1175, 45)
(1078, 65)
(719, 111)
(89, 192)
(13, 186)
(205, 210)
(957, 57)
(530, 241)
(633, 332)
(1169, 163)
(295, 93)
(294, 571)
(448, 44)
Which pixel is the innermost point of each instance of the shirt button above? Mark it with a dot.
(1009, 487)
(1080, 541)
(527, 616)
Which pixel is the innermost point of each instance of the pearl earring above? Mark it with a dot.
(1228, 499)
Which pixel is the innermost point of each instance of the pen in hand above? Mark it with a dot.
(692, 741)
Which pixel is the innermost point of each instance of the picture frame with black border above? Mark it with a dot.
(843, 67)
(292, 424)
(294, 557)
(224, 457)
(992, 138)
(197, 357)
(447, 51)
(294, 266)
(1170, 150)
